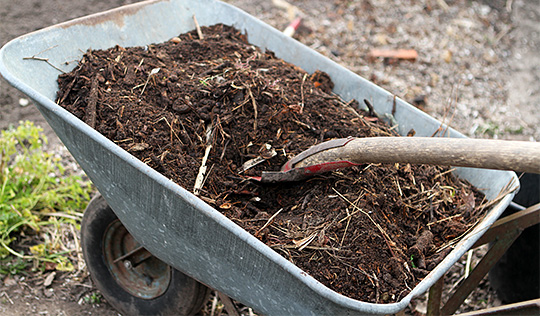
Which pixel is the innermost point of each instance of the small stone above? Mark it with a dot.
(48, 293)
(447, 56)
(23, 102)
(9, 281)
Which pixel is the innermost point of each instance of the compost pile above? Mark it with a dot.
(370, 232)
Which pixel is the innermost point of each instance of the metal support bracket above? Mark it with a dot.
(501, 234)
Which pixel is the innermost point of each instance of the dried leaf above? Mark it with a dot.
(49, 279)
(304, 242)
(225, 206)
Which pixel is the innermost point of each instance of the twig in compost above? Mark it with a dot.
(346, 227)
(304, 242)
(443, 173)
(45, 60)
(224, 149)
(202, 170)
(173, 132)
(220, 128)
(35, 57)
(389, 241)
(268, 222)
(458, 238)
(139, 65)
(255, 112)
(186, 133)
(377, 294)
(199, 181)
(398, 186)
(444, 219)
(198, 27)
(67, 91)
(359, 269)
(304, 125)
(153, 72)
(208, 173)
(302, 93)
(507, 189)
(91, 113)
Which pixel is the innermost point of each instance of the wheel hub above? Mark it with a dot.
(134, 268)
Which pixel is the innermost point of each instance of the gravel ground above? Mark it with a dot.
(477, 65)
(477, 69)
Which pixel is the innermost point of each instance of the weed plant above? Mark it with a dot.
(40, 204)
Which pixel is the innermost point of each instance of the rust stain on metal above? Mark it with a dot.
(116, 16)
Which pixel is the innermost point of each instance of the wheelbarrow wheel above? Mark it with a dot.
(129, 277)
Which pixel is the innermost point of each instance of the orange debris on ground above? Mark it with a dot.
(402, 54)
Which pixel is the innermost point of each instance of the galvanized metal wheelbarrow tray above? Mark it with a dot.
(173, 224)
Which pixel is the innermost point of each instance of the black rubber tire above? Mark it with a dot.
(184, 295)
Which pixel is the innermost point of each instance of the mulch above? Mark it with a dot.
(370, 232)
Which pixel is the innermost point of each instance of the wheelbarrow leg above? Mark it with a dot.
(228, 304)
(481, 269)
(502, 233)
(531, 307)
(434, 298)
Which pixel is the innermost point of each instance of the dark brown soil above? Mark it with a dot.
(370, 232)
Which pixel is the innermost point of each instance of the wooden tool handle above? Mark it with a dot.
(460, 152)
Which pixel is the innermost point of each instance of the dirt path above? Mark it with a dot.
(499, 95)
(523, 86)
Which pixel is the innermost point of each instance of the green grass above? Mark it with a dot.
(94, 298)
(39, 201)
(491, 129)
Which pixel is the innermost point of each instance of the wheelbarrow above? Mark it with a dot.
(176, 227)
